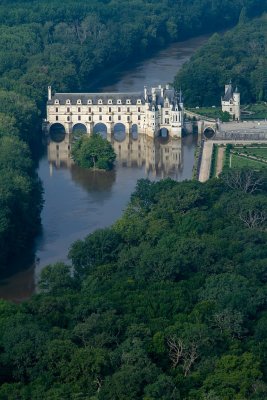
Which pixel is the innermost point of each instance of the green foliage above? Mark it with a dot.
(68, 45)
(20, 200)
(169, 303)
(239, 54)
(93, 152)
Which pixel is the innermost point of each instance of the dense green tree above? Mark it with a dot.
(239, 55)
(93, 152)
(168, 303)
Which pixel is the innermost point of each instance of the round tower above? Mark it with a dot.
(236, 101)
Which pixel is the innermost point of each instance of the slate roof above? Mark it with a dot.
(229, 93)
(84, 97)
(159, 98)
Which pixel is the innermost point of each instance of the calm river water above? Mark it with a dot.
(77, 201)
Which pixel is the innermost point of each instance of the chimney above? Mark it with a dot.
(49, 93)
(145, 93)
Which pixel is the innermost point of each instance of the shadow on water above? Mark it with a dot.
(93, 181)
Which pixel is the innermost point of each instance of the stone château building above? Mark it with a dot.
(231, 101)
(152, 112)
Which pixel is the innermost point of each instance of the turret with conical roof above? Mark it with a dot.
(231, 101)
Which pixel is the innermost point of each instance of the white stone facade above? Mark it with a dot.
(231, 102)
(149, 112)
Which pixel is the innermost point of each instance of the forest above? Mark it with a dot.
(69, 45)
(239, 55)
(168, 303)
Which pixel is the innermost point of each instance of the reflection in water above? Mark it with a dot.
(78, 202)
(160, 157)
(93, 181)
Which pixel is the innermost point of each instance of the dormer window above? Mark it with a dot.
(100, 101)
(79, 101)
(89, 101)
(128, 101)
(138, 101)
(119, 101)
(68, 101)
(153, 109)
(56, 101)
(109, 101)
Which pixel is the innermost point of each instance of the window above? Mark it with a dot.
(79, 117)
(153, 116)
(128, 101)
(89, 101)
(167, 121)
(109, 109)
(231, 109)
(56, 118)
(68, 101)
(100, 109)
(139, 117)
(167, 112)
(100, 117)
(119, 117)
(139, 109)
(56, 109)
(89, 109)
(90, 118)
(79, 101)
(68, 119)
(79, 109)
(119, 101)
(68, 109)
(56, 101)
(100, 101)
(128, 119)
(119, 109)
(109, 101)
(110, 118)
(128, 109)
(138, 101)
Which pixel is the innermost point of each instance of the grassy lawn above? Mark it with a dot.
(208, 111)
(214, 160)
(258, 111)
(240, 162)
(257, 152)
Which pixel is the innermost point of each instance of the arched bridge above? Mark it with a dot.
(207, 127)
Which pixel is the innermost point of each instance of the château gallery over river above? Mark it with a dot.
(78, 201)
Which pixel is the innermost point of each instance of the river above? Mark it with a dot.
(77, 201)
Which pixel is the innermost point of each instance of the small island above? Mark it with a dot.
(93, 152)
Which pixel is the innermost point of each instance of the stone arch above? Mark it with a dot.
(119, 132)
(101, 129)
(57, 132)
(134, 131)
(209, 132)
(79, 130)
(163, 132)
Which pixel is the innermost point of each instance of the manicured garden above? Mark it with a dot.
(255, 111)
(253, 156)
